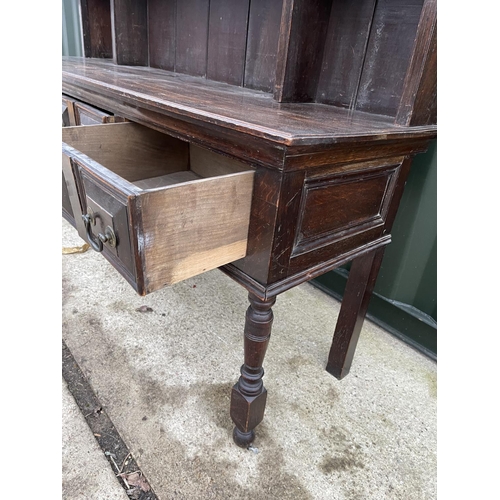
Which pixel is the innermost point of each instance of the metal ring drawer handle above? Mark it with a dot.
(97, 243)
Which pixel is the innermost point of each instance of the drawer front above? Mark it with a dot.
(78, 113)
(87, 115)
(107, 211)
(156, 212)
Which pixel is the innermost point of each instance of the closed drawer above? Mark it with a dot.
(165, 210)
(88, 115)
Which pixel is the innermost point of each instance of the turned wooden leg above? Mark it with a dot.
(359, 287)
(248, 397)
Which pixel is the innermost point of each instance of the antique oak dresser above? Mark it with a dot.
(269, 138)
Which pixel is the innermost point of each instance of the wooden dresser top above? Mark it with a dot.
(242, 110)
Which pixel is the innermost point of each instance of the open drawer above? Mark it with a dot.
(159, 209)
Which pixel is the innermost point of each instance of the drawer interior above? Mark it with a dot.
(176, 209)
(146, 158)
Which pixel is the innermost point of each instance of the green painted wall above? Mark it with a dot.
(408, 273)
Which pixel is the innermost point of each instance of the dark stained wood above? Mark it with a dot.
(425, 105)
(192, 37)
(130, 32)
(262, 224)
(303, 30)
(162, 33)
(96, 28)
(335, 205)
(336, 223)
(392, 210)
(334, 246)
(355, 216)
(86, 28)
(344, 53)
(331, 51)
(246, 111)
(301, 157)
(387, 57)
(262, 44)
(356, 237)
(227, 38)
(321, 218)
(418, 104)
(248, 397)
(220, 139)
(284, 236)
(272, 290)
(112, 211)
(359, 287)
(331, 235)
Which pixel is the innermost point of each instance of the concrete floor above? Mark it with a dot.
(164, 379)
(86, 473)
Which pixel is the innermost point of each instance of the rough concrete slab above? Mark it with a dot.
(164, 378)
(86, 473)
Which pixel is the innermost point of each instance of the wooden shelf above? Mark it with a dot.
(246, 111)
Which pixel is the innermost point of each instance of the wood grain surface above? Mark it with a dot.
(239, 109)
(191, 228)
(132, 151)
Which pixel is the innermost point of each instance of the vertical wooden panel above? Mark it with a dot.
(418, 102)
(262, 44)
(387, 58)
(300, 49)
(192, 37)
(96, 27)
(162, 28)
(86, 28)
(227, 36)
(425, 105)
(344, 52)
(130, 28)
